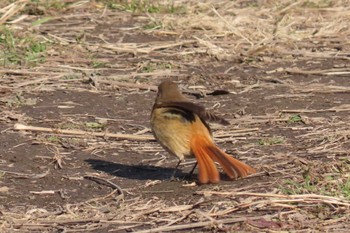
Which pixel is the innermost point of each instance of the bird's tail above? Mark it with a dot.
(206, 152)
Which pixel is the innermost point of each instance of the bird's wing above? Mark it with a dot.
(195, 108)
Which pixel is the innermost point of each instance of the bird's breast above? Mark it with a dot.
(173, 129)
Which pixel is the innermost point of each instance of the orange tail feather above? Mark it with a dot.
(206, 153)
(207, 171)
(203, 175)
(232, 167)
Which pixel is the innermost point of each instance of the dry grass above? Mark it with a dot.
(289, 46)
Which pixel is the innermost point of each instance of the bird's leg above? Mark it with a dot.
(175, 170)
(194, 167)
(188, 175)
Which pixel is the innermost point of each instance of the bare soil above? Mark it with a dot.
(288, 109)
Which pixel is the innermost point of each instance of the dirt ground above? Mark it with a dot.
(278, 72)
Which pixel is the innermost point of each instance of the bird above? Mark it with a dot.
(181, 128)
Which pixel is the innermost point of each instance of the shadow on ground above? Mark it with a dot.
(135, 172)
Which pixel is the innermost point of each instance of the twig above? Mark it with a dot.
(132, 48)
(39, 80)
(81, 132)
(319, 88)
(341, 108)
(128, 85)
(104, 181)
(286, 198)
(339, 71)
(26, 72)
(288, 96)
(236, 133)
(43, 192)
(161, 73)
(27, 176)
(201, 224)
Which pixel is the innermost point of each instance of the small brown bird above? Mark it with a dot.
(180, 127)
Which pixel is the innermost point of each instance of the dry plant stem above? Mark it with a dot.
(316, 55)
(339, 71)
(81, 132)
(146, 50)
(202, 224)
(39, 80)
(104, 181)
(27, 176)
(13, 9)
(334, 109)
(26, 72)
(291, 198)
(128, 85)
(44, 192)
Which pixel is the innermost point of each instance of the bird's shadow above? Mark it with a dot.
(136, 172)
